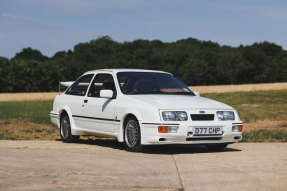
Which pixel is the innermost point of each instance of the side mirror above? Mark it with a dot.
(197, 94)
(106, 94)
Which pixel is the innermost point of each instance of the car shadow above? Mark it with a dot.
(183, 149)
(154, 149)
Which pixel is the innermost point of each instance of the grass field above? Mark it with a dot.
(24, 129)
(264, 114)
(34, 111)
(255, 106)
(201, 89)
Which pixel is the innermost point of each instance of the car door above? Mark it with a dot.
(100, 112)
(74, 98)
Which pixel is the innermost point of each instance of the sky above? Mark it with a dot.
(55, 25)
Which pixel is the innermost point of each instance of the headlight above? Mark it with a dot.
(174, 116)
(225, 115)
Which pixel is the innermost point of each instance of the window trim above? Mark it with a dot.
(66, 92)
(115, 93)
(120, 89)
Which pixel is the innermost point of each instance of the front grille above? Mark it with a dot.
(202, 117)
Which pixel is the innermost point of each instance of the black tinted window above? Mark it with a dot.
(101, 82)
(151, 83)
(80, 87)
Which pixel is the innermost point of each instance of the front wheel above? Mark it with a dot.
(132, 135)
(65, 129)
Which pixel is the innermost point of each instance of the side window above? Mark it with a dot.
(102, 82)
(79, 88)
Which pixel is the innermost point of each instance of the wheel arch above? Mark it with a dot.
(67, 110)
(123, 121)
(62, 112)
(127, 116)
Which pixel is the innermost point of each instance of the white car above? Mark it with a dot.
(142, 107)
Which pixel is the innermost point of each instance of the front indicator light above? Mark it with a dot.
(162, 129)
(167, 129)
(237, 128)
(240, 128)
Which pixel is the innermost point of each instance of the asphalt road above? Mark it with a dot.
(104, 165)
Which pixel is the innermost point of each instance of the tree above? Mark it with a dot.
(30, 54)
(193, 61)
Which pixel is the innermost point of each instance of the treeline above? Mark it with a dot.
(193, 61)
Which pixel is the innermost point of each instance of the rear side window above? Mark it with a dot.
(79, 88)
(102, 82)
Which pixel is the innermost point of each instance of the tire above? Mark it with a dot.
(132, 135)
(216, 147)
(65, 130)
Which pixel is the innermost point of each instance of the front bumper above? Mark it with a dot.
(150, 134)
(54, 117)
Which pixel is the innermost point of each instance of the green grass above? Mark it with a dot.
(265, 135)
(257, 105)
(252, 107)
(35, 111)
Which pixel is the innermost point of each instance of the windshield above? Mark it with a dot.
(151, 83)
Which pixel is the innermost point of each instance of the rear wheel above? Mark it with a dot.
(216, 147)
(132, 135)
(65, 129)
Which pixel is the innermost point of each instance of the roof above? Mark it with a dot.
(116, 70)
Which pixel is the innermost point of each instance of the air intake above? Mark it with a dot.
(204, 139)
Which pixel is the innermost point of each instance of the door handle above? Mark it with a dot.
(85, 101)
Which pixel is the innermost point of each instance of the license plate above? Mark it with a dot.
(207, 131)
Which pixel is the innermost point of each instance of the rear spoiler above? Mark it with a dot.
(69, 83)
(65, 84)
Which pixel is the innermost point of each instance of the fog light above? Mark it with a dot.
(167, 129)
(172, 129)
(237, 128)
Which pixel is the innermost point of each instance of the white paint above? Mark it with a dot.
(146, 108)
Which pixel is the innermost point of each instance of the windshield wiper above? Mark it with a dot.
(181, 93)
(149, 92)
